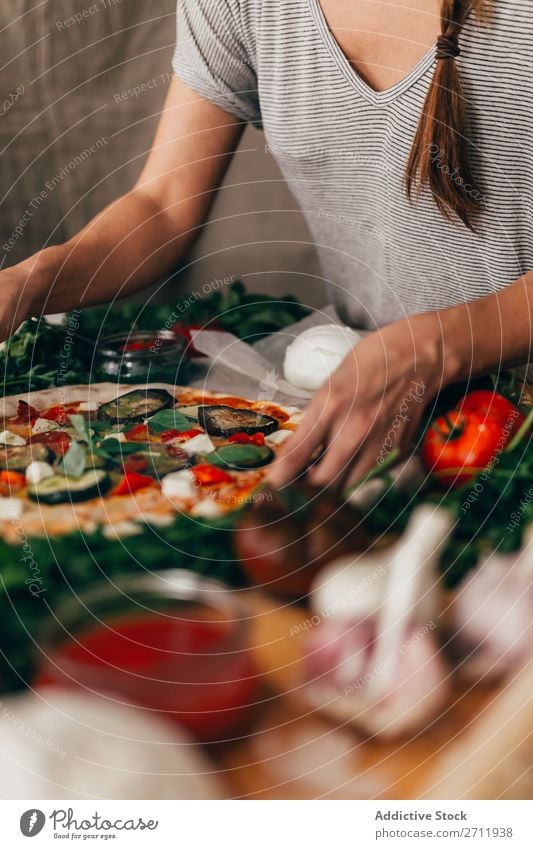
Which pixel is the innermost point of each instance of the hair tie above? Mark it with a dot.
(448, 47)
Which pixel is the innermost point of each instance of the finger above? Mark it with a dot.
(299, 449)
(371, 455)
(339, 456)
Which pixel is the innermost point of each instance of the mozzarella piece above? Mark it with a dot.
(10, 509)
(9, 438)
(88, 406)
(200, 444)
(278, 437)
(207, 509)
(38, 471)
(120, 436)
(43, 426)
(316, 353)
(179, 485)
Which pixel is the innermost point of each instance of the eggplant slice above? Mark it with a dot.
(63, 490)
(19, 457)
(225, 421)
(162, 461)
(135, 406)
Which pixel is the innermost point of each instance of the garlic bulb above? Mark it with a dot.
(374, 659)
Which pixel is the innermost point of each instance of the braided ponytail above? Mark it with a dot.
(439, 156)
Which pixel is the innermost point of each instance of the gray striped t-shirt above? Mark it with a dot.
(343, 148)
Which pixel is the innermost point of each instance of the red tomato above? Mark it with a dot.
(247, 439)
(208, 475)
(494, 406)
(139, 433)
(58, 441)
(26, 414)
(131, 482)
(14, 480)
(60, 413)
(458, 446)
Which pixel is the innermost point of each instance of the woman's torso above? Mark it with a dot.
(343, 148)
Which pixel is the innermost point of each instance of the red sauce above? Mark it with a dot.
(184, 669)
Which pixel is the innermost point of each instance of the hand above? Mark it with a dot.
(372, 404)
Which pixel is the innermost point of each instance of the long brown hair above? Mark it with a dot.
(439, 157)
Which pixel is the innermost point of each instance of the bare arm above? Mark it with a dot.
(142, 235)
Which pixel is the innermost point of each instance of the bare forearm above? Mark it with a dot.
(485, 335)
(145, 233)
(126, 247)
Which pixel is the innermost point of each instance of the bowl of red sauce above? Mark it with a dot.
(132, 357)
(173, 642)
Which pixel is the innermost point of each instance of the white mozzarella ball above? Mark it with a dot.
(179, 485)
(316, 353)
(38, 471)
(200, 444)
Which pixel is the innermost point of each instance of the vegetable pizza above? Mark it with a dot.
(110, 460)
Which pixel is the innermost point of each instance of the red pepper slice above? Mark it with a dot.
(248, 439)
(57, 441)
(135, 463)
(139, 433)
(207, 475)
(131, 482)
(60, 413)
(16, 480)
(26, 414)
(168, 435)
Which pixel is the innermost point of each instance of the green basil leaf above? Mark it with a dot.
(168, 420)
(114, 446)
(241, 456)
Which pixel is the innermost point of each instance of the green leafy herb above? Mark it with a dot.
(168, 420)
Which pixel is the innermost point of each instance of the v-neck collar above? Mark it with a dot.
(376, 97)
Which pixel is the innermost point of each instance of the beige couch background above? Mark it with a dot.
(72, 138)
